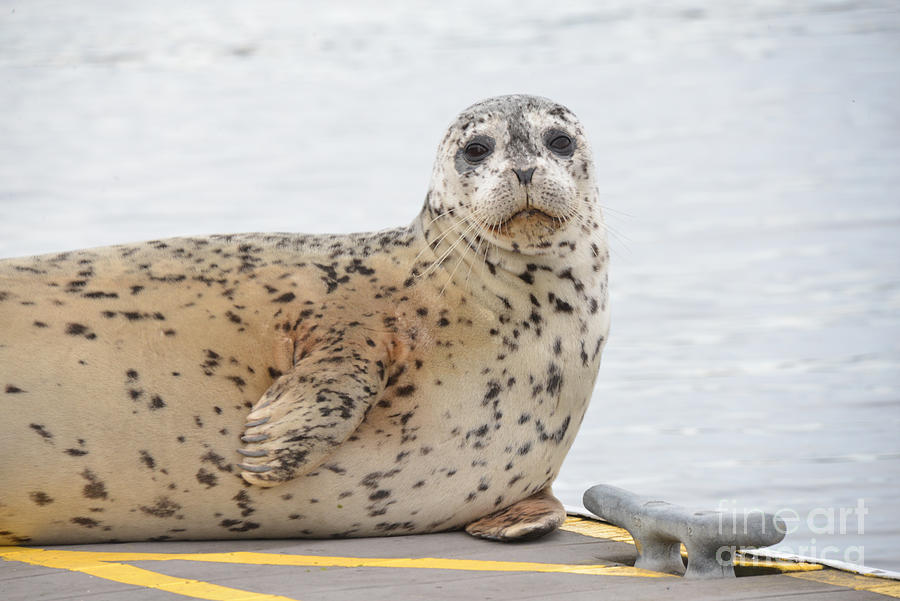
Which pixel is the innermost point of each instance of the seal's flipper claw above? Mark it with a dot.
(256, 469)
(312, 409)
(258, 453)
(257, 422)
(530, 518)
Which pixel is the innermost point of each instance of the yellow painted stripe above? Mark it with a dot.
(888, 588)
(117, 572)
(596, 530)
(609, 532)
(273, 559)
(785, 567)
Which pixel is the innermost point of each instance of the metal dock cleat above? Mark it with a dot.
(659, 528)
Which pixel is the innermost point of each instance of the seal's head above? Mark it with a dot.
(517, 172)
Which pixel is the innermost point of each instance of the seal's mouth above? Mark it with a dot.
(529, 215)
(528, 231)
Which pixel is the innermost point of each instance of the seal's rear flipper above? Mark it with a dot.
(539, 514)
(312, 409)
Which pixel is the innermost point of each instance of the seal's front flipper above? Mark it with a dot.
(312, 409)
(539, 514)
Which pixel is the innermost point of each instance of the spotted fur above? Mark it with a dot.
(283, 385)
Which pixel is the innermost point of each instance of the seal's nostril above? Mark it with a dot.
(524, 175)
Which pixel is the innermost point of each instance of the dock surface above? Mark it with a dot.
(584, 560)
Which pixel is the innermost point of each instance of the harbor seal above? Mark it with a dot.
(419, 379)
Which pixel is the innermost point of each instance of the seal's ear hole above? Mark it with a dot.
(559, 142)
(478, 149)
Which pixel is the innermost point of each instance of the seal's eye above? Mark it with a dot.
(560, 143)
(477, 150)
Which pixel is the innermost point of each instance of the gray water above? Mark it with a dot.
(748, 157)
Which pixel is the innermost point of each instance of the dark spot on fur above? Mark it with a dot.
(217, 460)
(207, 478)
(492, 393)
(162, 508)
(562, 306)
(77, 329)
(10, 389)
(86, 522)
(555, 436)
(404, 391)
(41, 431)
(148, 460)
(285, 298)
(95, 488)
(40, 498)
(244, 503)
(554, 379)
(478, 432)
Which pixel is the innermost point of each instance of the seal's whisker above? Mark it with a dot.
(595, 235)
(447, 252)
(474, 225)
(608, 209)
(462, 256)
(441, 236)
(483, 225)
(454, 227)
(433, 244)
(440, 215)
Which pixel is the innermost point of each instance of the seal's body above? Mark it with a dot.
(279, 385)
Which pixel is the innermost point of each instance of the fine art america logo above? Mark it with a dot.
(819, 521)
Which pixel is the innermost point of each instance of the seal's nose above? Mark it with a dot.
(524, 175)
